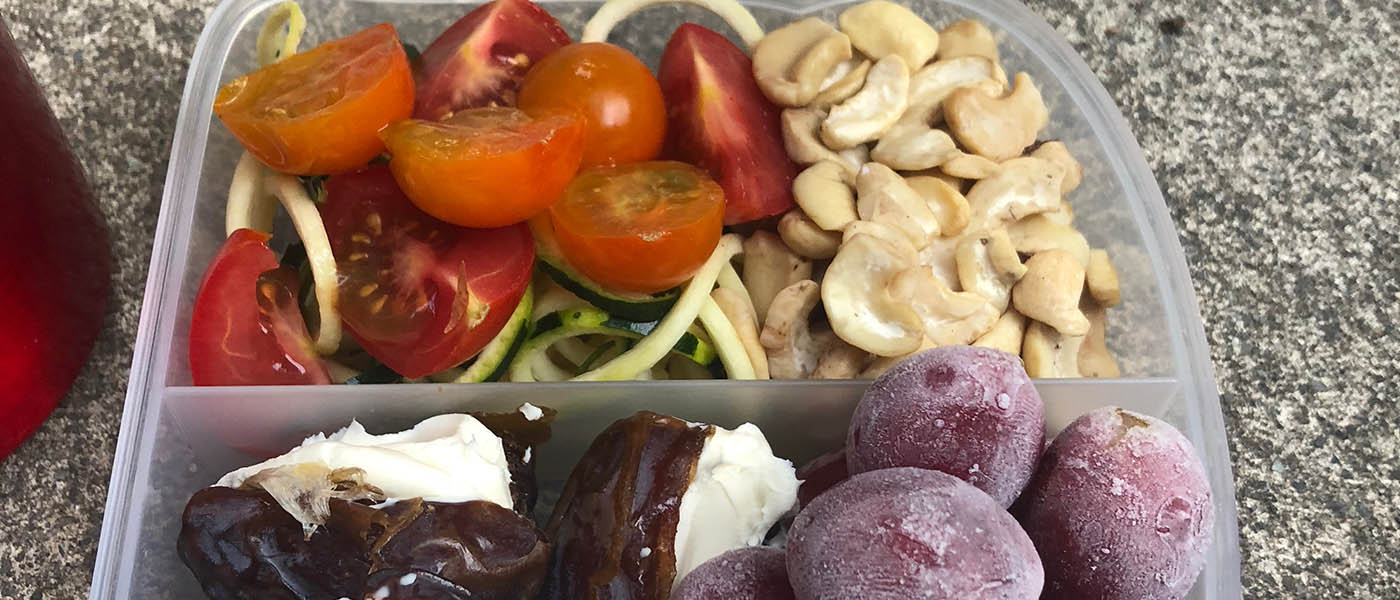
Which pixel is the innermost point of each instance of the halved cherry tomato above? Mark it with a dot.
(481, 58)
(720, 120)
(416, 293)
(640, 227)
(613, 91)
(246, 328)
(320, 111)
(485, 167)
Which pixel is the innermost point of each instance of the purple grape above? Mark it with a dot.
(820, 474)
(908, 533)
(1120, 509)
(754, 573)
(968, 412)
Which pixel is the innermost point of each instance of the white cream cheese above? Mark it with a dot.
(739, 491)
(447, 458)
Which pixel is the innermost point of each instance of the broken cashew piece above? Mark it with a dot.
(1101, 279)
(1094, 358)
(769, 266)
(840, 361)
(1056, 152)
(613, 12)
(791, 63)
(949, 206)
(791, 349)
(950, 318)
(1006, 335)
(1038, 233)
(879, 28)
(1022, 187)
(800, 139)
(842, 83)
(882, 196)
(1049, 354)
(873, 110)
(742, 317)
(968, 37)
(1049, 292)
(806, 238)
(999, 128)
(856, 295)
(988, 265)
(822, 193)
(312, 231)
(969, 166)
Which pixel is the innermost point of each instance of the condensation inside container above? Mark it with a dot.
(1137, 329)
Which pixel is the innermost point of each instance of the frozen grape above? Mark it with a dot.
(820, 474)
(754, 573)
(1120, 509)
(968, 412)
(909, 533)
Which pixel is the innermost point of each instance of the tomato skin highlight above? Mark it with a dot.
(238, 338)
(485, 167)
(320, 111)
(419, 295)
(639, 227)
(718, 119)
(616, 94)
(480, 60)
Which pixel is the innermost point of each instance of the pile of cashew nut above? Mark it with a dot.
(927, 213)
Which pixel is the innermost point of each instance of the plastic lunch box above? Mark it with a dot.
(176, 438)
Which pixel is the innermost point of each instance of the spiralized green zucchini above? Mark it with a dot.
(613, 12)
(249, 206)
(281, 33)
(729, 279)
(726, 339)
(312, 232)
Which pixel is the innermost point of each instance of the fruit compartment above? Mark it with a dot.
(176, 439)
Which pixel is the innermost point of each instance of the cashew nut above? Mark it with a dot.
(1023, 187)
(968, 37)
(950, 318)
(1049, 292)
(879, 28)
(741, 316)
(947, 203)
(998, 128)
(800, 127)
(769, 266)
(989, 266)
(931, 85)
(792, 351)
(822, 193)
(791, 62)
(882, 196)
(805, 238)
(841, 361)
(1006, 335)
(842, 82)
(1038, 233)
(857, 298)
(1102, 279)
(1063, 215)
(873, 110)
(941, 257)
(1056, 152)
(970, 166)
(1047, 353)
(1094, 358)
(910, 145)
(884, 363)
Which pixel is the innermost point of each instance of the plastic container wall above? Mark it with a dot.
(176, 439)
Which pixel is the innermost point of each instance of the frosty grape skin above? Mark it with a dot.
(902, 533)
(969, 412)
(1120, 509)
(743, 574)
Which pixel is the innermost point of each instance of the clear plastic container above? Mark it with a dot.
(176, 438)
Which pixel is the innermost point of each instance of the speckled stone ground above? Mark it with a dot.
(1271, 128)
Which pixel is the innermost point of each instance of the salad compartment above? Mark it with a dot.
(176, 438)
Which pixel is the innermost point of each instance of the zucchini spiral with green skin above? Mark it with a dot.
(614, 11)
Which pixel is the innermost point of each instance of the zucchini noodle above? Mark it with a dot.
(729, 279)
(726, 339)
(249, 206)
(653, 348)
(312, 232)
(281, 33)
(613, 12)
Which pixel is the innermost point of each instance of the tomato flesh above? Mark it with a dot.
(718, 119)
(419, 295)
(320, 111)
(485, 167)
(614, 92)
(246, 329)
(480, 60)
(640, 227)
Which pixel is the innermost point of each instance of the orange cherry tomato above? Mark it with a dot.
(320, 111)
(640, 227)
(614, 92)
(485, 167)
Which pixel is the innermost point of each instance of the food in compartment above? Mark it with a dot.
(746, 573)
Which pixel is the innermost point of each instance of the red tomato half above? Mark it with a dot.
(480, 60)
(418, 294)
(246, 329)
(719, 120)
